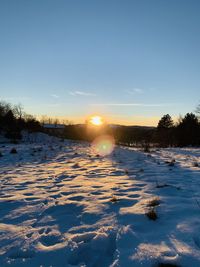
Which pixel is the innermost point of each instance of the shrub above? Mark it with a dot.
(195, 164)
(154, 202)
(13, 151)
(168, 265)
(114, 199)
(151, 214)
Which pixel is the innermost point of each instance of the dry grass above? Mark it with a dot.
(152, 215)
(168, 265)
(114, 199)
(146, 150)
(126, 171)
(13, 151)
(76, 165)
(154, 202)
(195, 164)
(171, 164)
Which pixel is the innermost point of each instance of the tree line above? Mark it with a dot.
(13, 120)
(185, 132)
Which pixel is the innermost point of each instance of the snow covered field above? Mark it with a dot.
(62, 205)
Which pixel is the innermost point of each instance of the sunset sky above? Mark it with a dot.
(130, 61)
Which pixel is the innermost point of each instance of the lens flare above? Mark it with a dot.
(103, 145)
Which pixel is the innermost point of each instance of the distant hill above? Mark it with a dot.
(132, 126)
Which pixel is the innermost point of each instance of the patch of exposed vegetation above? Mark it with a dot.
(152, 215)
(195, 164)
(154, 202)
(13, 151)
(168, 265)
(114, 199)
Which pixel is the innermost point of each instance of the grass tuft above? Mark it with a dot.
(154, 202)
(171, 164)
(195, 164)
(13, 151)
(114, 199)
(152, 215)
(126, 171)
(76, 165)
(168, 265)
(146, 148)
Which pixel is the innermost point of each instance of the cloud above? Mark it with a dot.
(135, 91)
(81, 93)
(134, 104)
(55, 96)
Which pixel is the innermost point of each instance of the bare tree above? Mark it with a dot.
(46, 120)
(18, 111)
(28, 117)
(43, 119)
(56, 121)
(197, 110)
(4, 107)
(67, 122)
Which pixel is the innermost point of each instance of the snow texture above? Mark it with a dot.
(63, 206)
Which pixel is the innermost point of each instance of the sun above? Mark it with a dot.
(96, 120)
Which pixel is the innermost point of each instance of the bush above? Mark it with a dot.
(151, 214)
(13, 151)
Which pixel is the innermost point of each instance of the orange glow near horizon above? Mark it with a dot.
(96, 120)
(118, 120)
(103, 145)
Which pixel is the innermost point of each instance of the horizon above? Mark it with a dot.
(130, 62)
(63, 120)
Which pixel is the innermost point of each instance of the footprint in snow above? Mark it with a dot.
(77, 198)
(50, 240)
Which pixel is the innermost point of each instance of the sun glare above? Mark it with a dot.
(96, 120)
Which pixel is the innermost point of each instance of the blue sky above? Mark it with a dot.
(130, 61)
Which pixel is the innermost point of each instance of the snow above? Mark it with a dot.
(61, 205)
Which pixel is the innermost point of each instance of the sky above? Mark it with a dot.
(131, 61)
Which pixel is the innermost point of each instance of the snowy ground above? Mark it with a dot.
(62, 205)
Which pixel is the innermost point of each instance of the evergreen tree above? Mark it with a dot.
(165, 131)
(11, 127)
(165, 122)
(188, 130)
